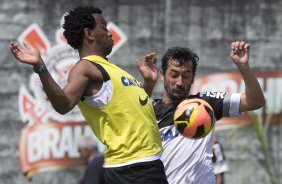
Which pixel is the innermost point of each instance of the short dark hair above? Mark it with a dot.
(182, 54)
(75, 21)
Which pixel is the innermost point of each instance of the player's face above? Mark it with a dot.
(177, 80)
(103, 36)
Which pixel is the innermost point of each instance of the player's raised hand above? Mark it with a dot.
(240, 52)
(148, 67)
(27, 54)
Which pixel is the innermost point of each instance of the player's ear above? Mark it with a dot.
(162, 74)
(89, 33)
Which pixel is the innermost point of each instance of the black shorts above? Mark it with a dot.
(139, 173)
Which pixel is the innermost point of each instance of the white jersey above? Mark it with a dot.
(189, 161)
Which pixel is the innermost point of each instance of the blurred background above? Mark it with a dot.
(252, 148)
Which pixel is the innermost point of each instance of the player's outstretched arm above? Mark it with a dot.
(62, 100)
(253, 97)
(149, 72)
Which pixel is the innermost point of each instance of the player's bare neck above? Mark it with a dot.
(88, 51)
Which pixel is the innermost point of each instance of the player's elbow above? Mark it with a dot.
(258, 103)
(62, 112)
(250, 103)
(261, 102)
(62, 108)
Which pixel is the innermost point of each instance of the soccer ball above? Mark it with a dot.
(194, 118)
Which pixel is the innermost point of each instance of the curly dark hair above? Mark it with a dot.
(75, 21)
(182, 55)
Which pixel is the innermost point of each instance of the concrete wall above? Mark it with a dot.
(205, 26)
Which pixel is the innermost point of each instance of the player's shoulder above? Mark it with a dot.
(156, 101)
(161, 109)
(158, 105)
(89, 69)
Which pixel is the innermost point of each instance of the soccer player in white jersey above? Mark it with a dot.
(189, 161)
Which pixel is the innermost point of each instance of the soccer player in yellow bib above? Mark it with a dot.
(114, 104)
